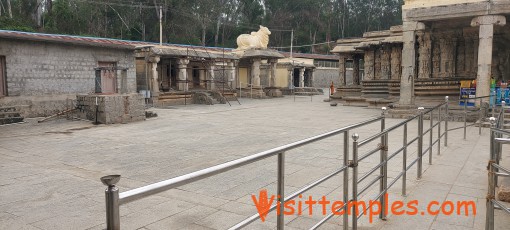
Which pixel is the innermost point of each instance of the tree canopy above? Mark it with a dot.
(205, 22)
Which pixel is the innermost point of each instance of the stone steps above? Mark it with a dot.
(10, 115)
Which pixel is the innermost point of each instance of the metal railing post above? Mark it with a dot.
(465, 118)
(384, 167)
(431, 135)
(420, 142)
(480, 118)
(280, 224)
(346, 181)
(492, 121)
(491, 194)
(112, 202)
(354, 166)
(446, 117)
(439, 132)
(404, 162)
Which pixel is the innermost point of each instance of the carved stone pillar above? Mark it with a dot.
(448, 48)
(291, 76)
(231, 71)
(355, 70)
(369, 65)
(311, 74)
(377, 63)
(183, 73)
(153, 62)
(255, 72)
(342, 70)
(425, 52)
(486, 24)
(202, 76)
(396, 62)
(386, 62)
(461, 58)
(302, 77)
(409, 62)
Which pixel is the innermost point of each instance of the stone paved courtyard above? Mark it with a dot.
(50, 171)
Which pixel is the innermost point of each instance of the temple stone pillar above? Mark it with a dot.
(409, 62)
(342, 70)
(425, 51)
(183, 73)
(386, 62)
(210, 77)
(302, 77)
(255, 72)
(153, 62)
(369, 65)
(310, 77)
(202, 76)
(272, 72)
(291, 76)
(231, 71)
(486, 24)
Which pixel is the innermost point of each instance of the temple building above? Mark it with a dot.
(440, 44)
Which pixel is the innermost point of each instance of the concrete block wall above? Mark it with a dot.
(112, 109)
(49, 70)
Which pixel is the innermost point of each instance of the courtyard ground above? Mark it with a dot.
(49, 172)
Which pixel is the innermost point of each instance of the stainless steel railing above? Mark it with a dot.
(114, 199)
(495, 169)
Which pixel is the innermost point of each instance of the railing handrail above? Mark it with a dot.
(141, 192)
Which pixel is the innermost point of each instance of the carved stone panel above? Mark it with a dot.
(436, 58)
(396, 62)
(386, 62)
(369, 65)
(377, 61)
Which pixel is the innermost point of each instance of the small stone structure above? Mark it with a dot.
(111, 109)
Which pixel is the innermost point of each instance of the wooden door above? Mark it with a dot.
(3, 82)
(108, 78)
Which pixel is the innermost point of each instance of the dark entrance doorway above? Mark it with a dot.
(295, 75)
(196, 76)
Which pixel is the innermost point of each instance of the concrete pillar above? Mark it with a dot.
(255, 72)
(183, 74)
(231, 71)
(302, 77)
(486, 24)
(342, 70)
(153, 62)
(409, 62)
(123, 81)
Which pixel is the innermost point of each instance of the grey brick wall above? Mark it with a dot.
(41, 68)
(324, 76)
(53, 72)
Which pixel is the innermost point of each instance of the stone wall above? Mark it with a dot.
(42, 75)
(322, 77)
(112, 109)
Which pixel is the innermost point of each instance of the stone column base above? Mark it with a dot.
(273, 92)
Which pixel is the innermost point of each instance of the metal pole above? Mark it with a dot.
(112, 202)
(404, 162)
(431, 135)
(439, 132)
(446, 117)
(420, 142)
(465, 118)
(384, 169)
(280, 190)
(354, 165)
(493, 155)
(346, 180)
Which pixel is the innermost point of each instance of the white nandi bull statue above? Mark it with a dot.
(258, 39)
